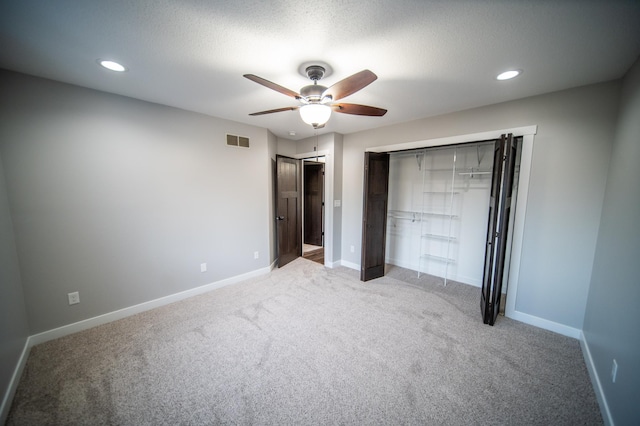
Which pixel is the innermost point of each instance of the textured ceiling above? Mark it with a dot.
(431, 57)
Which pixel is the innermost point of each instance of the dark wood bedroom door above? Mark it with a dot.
(288, 209)
(313, 203)
(374, 215)
(498, 227)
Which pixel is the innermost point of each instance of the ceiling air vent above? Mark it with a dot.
(241, 141)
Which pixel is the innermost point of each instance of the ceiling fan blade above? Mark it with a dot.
(359, 109)
(271, 111)
(272, 86)
(350, 85)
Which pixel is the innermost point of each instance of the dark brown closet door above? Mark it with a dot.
(374, 215)
(499, 213)
(288, 209)
(313, 196)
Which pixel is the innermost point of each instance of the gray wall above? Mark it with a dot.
(612, 318)
(122, 200)
(568, 176)
(286, 147)
(14, 328)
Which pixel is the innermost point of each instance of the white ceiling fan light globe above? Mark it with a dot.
(315, 114)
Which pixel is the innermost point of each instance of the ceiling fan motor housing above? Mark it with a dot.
(312, 93)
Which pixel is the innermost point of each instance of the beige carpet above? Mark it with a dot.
(310, 345)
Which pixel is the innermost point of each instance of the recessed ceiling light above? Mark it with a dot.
(508, 75)
(111, 65)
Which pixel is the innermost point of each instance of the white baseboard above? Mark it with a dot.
(595, 381)
(106, 318)
(145, 306)
(516, 315)
(13, 383)
(132, 310)
(332, 264)
(560, 329)
(565, 330)
(350, 265)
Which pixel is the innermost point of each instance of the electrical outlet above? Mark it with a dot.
(256, 255)
(614, 371)
(353, 249)
(74, 298)
(203, 267)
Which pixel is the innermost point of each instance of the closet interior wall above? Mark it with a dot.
(438, 209)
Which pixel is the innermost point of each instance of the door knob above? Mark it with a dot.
(279, 217)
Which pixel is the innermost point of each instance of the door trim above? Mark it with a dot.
(453, 140)
(328, 200)
(374, 210)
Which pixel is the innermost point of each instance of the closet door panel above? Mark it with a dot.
(374, 215)
(490, 250)
(504, 214)
(499, 213)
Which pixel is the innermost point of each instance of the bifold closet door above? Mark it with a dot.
(374, 215)
(498, 227)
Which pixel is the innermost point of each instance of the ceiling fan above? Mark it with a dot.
(318, 101)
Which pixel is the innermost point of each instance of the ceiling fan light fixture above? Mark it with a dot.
(318, 101)
(315, 114)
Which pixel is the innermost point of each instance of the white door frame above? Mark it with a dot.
(328, 199)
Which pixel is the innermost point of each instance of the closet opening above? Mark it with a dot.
(447, 214)
(313, 209)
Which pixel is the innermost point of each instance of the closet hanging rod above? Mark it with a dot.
(482, 172)
(404, 215)
(396, 211)
(474, 173)
(412, 219)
